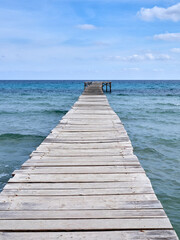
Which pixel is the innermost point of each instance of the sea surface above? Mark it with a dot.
(149, 110)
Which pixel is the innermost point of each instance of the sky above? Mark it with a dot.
(89, 39)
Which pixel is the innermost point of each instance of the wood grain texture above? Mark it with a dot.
(90, 224)
(92, 235)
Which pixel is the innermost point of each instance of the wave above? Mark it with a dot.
(148, 150)
(173, 142)
(162, 111)
(172, 95)
(169, 104)
(3, 175)
(55, 111)
(16, 136)
(122, 94)
(6, 112)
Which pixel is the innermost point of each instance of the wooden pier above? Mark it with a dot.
(83, 182)
(101, 84)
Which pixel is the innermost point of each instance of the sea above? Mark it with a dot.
(149, 110)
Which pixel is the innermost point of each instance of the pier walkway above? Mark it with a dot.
(83, 182)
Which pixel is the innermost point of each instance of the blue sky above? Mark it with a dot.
(89, 39)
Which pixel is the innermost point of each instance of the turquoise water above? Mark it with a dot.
(150, 111)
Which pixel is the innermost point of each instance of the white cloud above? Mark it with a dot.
(142, 57)
(168, 36)
(134, 57)
(175, 50)
(86, 26)
(171, 13)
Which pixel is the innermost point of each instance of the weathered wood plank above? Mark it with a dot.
(85, 185)
(95, 169)
(84, 214)
(92, 235)
(89, 121)
(77, 192)
(58, 163)
(78, 202)
(75, 140)
(79, 177)
(68, 136)
(52, 146)
(90, 224)
(105, 158)
(90, 134)
(90, 116)
(85, 152)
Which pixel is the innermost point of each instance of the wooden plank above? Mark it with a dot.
(95, 169)
(94, 134)
(85, 152)
(84, 214)
(78, 192)
(85, 185)
(105, 158)
(79, 177)
(89, 135)
(76, 135)
(125, 151)
(91, 116)
(100, 127)
(58, 163)
(92, 107)
(66, 146)
(89, 121)
(45, 145)
(115, 199)
(92, 235)
(86, 112)
(82, 140)
(79, 202)
(86, 162)
(87, 129)
(92, 146)
(90, 224)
